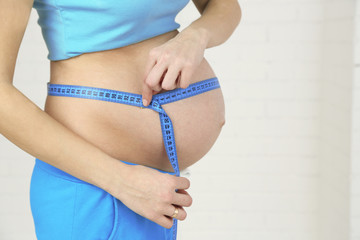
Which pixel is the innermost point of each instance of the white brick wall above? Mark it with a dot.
(270, 71)
(355, 146)
(280, 168)
(335, 120)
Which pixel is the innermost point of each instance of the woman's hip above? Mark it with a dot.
(65, 207)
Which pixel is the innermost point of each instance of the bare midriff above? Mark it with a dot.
(127, 132)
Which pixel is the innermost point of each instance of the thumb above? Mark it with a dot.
(146, 94)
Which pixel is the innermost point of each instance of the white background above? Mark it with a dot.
(287, 163)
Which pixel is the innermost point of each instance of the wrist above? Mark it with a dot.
(111, 175)
(201, 33)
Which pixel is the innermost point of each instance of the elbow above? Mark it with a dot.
(232, 11)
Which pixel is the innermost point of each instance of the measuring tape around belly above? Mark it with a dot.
(133, 99)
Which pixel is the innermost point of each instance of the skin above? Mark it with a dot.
(156, 65)
(172, 65)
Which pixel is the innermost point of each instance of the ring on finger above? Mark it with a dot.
(175, 212)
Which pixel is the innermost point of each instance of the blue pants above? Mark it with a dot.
(67, 208)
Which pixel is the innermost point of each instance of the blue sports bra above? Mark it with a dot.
(73, 27)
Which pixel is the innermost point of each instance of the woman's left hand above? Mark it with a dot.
(172, 64)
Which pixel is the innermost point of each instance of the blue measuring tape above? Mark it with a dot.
(133, 99)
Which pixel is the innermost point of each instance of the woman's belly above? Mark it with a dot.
(127, 132)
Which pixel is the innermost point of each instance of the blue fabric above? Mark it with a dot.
(73, 27)
(65, 206)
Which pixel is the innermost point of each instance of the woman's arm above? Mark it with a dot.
(218, 20)
(144, 190)
(181, 55)
(33, 130)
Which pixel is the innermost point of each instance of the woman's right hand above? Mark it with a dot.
(152, 194)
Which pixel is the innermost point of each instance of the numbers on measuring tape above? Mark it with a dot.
(136, 100)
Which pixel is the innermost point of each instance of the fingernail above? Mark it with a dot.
(145, 102)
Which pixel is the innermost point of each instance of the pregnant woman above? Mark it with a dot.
(131, 104)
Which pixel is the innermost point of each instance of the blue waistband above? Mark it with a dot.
(61, 174)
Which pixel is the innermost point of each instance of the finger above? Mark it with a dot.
(157, 87)
(165, 221)
(169, 81)
(182, 183)
(181, 215)
(146, 90)
(178, 80)
(155, 92)
(149, 64)
(186, 74)
(155, 76)
(146, 94)
(182, 199)
(182, 191)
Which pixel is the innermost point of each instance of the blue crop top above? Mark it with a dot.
(73, 27)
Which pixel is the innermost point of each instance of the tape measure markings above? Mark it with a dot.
(134, 99)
